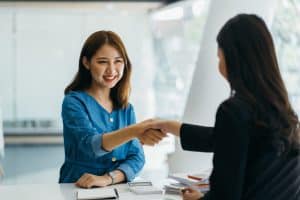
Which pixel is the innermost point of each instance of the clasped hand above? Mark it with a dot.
(151, 133)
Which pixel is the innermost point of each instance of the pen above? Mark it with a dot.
(202, 184)
(117, 193)
(194, 177)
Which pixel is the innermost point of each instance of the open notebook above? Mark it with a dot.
(97, 193)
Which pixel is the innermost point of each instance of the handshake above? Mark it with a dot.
(152, 131)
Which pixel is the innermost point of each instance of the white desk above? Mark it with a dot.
(66, 192)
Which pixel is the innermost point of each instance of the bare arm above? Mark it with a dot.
(116, 138)
(167, 126)
(89, 180)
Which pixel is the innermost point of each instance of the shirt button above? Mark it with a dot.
(111, 119)
(113, 159)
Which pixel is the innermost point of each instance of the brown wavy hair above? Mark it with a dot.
(253, 73)
(83, 79)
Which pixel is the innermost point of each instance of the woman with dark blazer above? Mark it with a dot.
(255, 139)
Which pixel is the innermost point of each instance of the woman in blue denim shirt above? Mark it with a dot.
(100, 134)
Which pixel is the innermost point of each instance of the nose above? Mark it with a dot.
(111, 67)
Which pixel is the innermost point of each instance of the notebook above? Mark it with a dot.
(97, 193)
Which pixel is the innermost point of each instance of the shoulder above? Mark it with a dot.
(74, 98)
(128, 109)
(236, 108)
(234, 120)
(130, 114)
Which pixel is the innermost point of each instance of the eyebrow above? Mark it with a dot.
(101, 58)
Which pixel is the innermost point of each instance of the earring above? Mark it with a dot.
(87, 67)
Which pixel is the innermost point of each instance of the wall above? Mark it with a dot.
(40, 45)
(208, 88)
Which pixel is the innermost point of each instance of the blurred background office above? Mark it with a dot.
(173, 51)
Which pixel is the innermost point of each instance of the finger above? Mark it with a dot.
(149, 136)
(152, 138)
(149, 142)
(159, 134)
(86, 179)
(186, 190)
(80, 180)
(80, 184)
(153, 134)
(162, 134)
(142, 139)
(89, 182)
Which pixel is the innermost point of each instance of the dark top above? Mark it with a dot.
(247, 164)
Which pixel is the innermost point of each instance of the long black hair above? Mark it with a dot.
(83, 79)
(253, 73)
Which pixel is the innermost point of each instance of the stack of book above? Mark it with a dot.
(198, 182)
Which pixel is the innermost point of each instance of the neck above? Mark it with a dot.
(100, 93)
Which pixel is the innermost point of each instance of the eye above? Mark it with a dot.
(119, 61)
(102, 62)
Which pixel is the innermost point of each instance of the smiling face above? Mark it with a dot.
(106, 67)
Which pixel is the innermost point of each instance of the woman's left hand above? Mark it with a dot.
(90, 180)
(191, 194)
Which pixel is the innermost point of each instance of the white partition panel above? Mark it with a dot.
(208, 89)
(42, 67)
(7, 64)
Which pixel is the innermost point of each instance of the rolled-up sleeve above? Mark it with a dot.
(134, 162)
(79, 129)
(135, 158)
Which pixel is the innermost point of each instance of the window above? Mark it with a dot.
(40, 47)
(286, 32)
(177, 32)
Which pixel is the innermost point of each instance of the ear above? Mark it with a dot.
(85, 63)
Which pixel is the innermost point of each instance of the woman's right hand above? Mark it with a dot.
(152, 131)
(146, 134)
(151, 137)
(165, 126)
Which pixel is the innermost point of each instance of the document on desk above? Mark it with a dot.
(201, 184)
(143, 188)
(97, 193)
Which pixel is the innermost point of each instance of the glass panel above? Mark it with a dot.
(7, 63)
(286, 34)
(177, 32)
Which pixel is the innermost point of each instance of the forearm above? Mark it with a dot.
(116, 138)
(171, 126)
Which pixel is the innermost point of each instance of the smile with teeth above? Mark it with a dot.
(109, 78)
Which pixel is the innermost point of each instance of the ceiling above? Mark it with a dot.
(111, 1)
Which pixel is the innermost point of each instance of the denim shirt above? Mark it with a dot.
(84, 123)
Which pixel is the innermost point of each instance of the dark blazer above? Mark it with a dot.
(248, 164)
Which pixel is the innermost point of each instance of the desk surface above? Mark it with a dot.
(66, 192)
